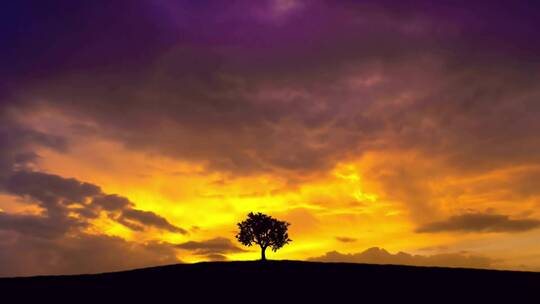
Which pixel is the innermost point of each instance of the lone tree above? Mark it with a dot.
(263, 230)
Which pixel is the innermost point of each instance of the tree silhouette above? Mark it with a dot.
(263, 230)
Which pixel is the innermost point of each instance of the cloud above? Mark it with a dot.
(345, 239)
(39, 226)
(54, 241)
(216, 257)
(112, 202)
(23, 255)
(377, 255)
(18, 143)
(213, 249)
(60, 197)
(480, 222)
(147, 218)
(50, 190)
(291, 113)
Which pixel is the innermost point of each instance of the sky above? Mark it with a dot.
(138, 133)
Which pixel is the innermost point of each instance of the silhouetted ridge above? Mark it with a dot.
(298, 280)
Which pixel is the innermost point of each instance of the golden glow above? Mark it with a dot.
(209, 204)
(378, 199)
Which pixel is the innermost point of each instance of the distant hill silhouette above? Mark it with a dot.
(280, 281)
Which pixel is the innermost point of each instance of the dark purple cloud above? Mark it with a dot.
(480, 222)
(377, 255)
(147, 218)
(55, 242)
(61, 198)
(346, 239)
(112, 202)
(49, 189)
(50, 227)
(214, 249)
(248, 87)
(18, 144)
(23, 255)
(296, 92)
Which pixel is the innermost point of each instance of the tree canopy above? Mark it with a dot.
(263, 230)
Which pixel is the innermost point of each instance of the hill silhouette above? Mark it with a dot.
(280, 281)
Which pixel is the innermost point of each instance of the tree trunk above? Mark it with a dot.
(263, 256)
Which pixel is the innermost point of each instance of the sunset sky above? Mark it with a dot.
(138, 133)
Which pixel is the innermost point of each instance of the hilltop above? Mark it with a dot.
(280, 281)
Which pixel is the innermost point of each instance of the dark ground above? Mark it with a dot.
(279, 282)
